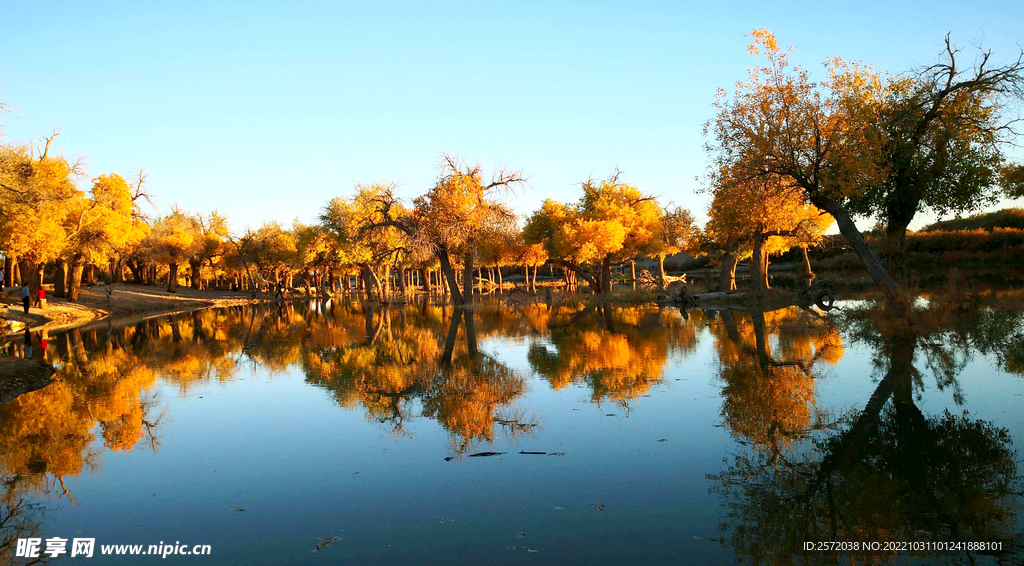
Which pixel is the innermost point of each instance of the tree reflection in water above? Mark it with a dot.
(885, 473)
(618, 352)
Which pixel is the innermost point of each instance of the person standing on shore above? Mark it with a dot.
(40, 297)
(3, 279)
(25, 294)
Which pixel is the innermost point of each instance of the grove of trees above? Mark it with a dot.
(789, 156)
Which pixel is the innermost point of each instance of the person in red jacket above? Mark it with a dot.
(40, 296)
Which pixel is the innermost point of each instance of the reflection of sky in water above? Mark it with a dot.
(303, 468)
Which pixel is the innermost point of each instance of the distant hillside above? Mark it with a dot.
(1005, 218)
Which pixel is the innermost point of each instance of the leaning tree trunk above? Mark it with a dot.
(449, 275)
(759, 263)
(75, 278)
(172, 278)
(893, 291)
(60, 278)
(661, 270)
(727, 275)
(136, 272)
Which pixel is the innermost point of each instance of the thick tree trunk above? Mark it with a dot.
(896, 252)
(425, 280)
(501, 283)
(75, 278)
(759, 263)
(40, 273)
(449, 276)
(90, 274)
(15, 274)
(118, 271)
(172, 278)
(403, 287)
(386, 290)
(370, 282)
(136, 273)
(27, 268)
(197, 281)
(893, 291)
(727, 275)
(8, 270)
(606, 275)
(60, 279)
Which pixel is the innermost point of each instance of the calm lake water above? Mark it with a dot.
(342, 433)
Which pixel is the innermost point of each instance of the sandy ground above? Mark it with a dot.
(125, 301)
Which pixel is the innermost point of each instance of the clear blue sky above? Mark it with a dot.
(265, 111)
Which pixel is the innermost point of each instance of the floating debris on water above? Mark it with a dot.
(480, 454)
(447, 520)
(324, 542)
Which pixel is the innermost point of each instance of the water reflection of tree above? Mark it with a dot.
(103, 394)
(471, 395)
(619, 352)
(18, 520)
(889, 473)
(417, 361)
(768, 363)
